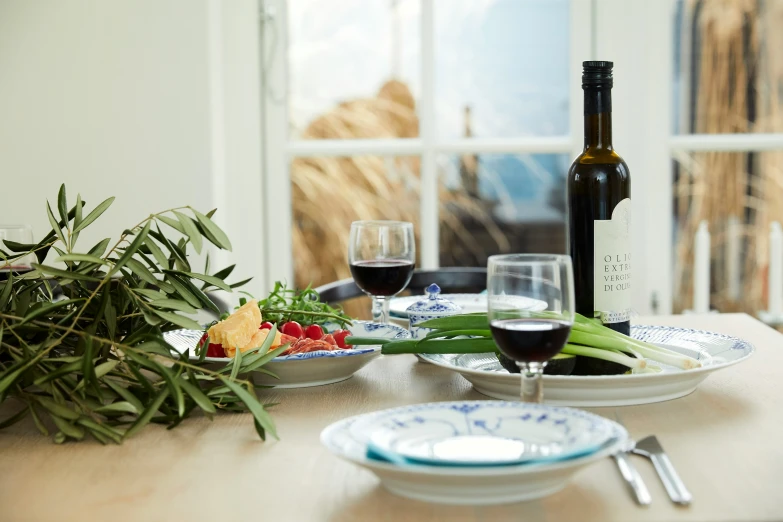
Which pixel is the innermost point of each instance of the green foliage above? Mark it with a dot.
(81, 345)
(304, 306)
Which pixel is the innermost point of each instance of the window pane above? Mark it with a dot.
(353, 68)
(501, 203)
(728, 67)
(328, 194)
(508, 61)
(724, 188)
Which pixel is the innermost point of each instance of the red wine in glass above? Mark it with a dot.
(382, 277)
(17, 263)
(16, 269)
(381, 255)
(530, 339)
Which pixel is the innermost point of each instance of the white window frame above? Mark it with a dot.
(279, 150)
(636, 34)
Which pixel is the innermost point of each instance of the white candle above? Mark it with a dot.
(733, 241)
(701, 270)
(775, 279)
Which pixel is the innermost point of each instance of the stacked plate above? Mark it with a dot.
(474, 452)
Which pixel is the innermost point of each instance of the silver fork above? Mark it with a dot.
(629, 472)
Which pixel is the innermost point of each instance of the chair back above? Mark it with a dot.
(452, 280)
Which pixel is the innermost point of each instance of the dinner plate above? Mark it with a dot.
(471, 485)
(482, 433)
(304, 369)
(715, 351)
(470, 303)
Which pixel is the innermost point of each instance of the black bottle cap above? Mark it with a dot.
(597, 74)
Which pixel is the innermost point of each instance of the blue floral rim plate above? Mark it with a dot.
(481, 433)
(469, 303)
(184, 339)
(715, 351)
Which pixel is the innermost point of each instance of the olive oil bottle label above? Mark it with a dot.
(612, 278)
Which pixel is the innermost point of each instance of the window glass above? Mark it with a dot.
(501, 203)
(738, 194)
(728, 66)
(506, 59)
(353, 68)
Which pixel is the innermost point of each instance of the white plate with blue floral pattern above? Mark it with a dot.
(466, 485)
(469, 303)
(482, 433)
(304, 369)
(714, 350)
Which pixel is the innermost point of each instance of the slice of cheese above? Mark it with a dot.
(257, 340)
(239, 328)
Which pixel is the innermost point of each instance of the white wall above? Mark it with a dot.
(152, 101)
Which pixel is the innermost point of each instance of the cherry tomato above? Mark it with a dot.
(293, 329)
(314, 332)
(340, 336)
(266, 325)
(214, 349)
(329, 338)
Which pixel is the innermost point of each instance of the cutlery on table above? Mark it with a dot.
(650, 447)
(629, 472)
(631, 476)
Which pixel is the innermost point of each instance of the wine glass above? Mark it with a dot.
(531, 311)
(16, 262)
(382, 255)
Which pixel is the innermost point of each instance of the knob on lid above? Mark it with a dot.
(434, 304)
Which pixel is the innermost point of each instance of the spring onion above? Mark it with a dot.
(470, 333)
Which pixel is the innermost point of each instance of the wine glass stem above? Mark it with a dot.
(532, 385)
(380, 309)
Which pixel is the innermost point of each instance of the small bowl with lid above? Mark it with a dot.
(432, 306)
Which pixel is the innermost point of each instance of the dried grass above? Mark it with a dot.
(714, 186)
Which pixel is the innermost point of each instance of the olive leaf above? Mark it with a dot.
(190, 229)
(95, 214)
(128, 254)
(212, 231)
(237, 363)
(173, 223)
(179, 320)
(210, 280)
(174, 304)
(62, 205)
(100, 248)
(138, 268)
(53, 222)
(87, 258)
(5, 294)
(157, 253)
(67, 428)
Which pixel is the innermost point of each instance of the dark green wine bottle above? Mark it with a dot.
(599, 210)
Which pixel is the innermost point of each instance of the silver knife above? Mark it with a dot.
(632, 478)
(650, 447)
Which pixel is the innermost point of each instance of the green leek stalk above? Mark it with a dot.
(470, 333)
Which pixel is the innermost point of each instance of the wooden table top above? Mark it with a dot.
(725, 439)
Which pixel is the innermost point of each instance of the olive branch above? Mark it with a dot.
(81, 345)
